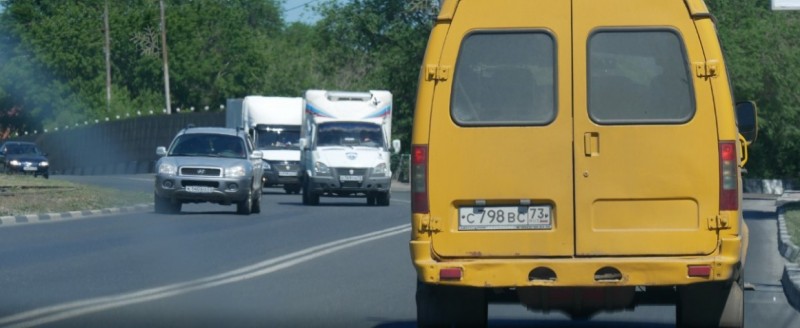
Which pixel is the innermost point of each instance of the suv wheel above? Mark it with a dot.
(165, 206)
(245, 206)
(256, 208)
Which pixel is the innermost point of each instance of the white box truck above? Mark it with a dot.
(346, 142)
(273, 124)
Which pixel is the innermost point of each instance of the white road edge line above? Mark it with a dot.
(73, 309)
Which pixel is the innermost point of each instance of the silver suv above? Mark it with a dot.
(208, 164)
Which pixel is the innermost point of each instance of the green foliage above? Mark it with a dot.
(375, 44)
(762, 51)
(792, 218)
(52, 62)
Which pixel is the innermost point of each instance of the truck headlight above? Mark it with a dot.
(167, 168)
(380, 169)
(321, 169)
(235, 172)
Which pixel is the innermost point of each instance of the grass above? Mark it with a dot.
(792, 217)
(22, 195)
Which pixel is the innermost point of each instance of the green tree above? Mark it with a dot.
(761, 52)
(375, 44)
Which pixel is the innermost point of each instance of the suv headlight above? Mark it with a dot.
(380, 169)
(44, 163)
(235, 172)
(14, 162)
(167, 168)
(321, 169)
(266, 165)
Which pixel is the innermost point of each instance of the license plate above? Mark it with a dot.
(29, 168)
(505, 218)
(287, 174)
(199, 189)
(350, 178)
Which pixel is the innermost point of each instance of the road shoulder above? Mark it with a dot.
(791, 270)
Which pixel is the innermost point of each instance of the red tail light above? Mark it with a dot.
(728, 178)
(419, 179)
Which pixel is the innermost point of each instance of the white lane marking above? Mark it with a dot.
(73, 309)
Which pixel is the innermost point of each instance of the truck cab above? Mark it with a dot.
(346, 145)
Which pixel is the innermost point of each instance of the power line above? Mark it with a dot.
(299, 6)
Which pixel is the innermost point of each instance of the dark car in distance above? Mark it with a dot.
(23, 157)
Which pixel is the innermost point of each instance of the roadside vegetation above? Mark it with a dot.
(53, 71)
(22, 195)
(792, 217)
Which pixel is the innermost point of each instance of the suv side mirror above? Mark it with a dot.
(396, 146)
(747, 120)
(303, 143)
(161, 151)
(257, 154)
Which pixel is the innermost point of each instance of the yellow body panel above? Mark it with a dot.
(641, 198)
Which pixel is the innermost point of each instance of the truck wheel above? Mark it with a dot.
(313, 198)
(305, 197)
(306, 193)
(245, 206)
(714, 304)
(383, 198)
(446, 306)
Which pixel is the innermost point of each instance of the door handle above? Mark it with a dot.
(591, 144)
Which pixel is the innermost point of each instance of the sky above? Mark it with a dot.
(300, 10)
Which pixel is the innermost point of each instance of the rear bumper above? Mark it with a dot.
(576, 272)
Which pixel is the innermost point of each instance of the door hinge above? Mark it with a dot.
(719, 222)
(426, 226)
(706, 69)
(437, 73)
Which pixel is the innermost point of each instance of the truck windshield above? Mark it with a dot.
(277, 137)
(350, 134)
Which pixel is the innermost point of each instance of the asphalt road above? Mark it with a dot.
(340, 264)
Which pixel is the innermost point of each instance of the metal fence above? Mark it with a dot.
(117, 147)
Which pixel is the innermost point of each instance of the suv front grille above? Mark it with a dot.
(201, 171)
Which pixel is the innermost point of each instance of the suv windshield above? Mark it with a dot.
(212, 145)
(350, 134)
(277, 137)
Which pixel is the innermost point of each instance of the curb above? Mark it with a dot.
(6, 221)
(790, 252)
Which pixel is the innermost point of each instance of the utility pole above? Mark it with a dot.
(107, 48)
(164, 55)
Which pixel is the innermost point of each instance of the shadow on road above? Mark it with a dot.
(542, 324)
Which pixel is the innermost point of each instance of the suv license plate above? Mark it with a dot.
(199, 189)
(287, 173)
(505, 218)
